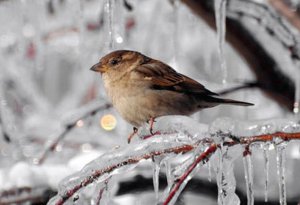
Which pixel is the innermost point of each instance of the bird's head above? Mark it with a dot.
(117, 63)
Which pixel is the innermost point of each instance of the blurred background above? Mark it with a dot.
(54, 114)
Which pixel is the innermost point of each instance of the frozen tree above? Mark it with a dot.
(63, 143)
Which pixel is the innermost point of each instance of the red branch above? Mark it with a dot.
(200, 158)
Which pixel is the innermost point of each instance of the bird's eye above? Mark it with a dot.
(114, 62)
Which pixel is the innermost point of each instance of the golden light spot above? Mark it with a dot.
(108, 122)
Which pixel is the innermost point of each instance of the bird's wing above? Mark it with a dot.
(163, 77)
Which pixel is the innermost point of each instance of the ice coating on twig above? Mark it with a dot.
(182, 124)
(192, 164)
(222, 128)
(89, 109)
(253, 128)
(119, 161)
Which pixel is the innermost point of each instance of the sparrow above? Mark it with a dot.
(142, 89)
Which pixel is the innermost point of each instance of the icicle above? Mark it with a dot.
(175, 33)
(156, 169)
(220, 176)
(280, 158)
(81, 29)
(225, 178)
(248, 169)
(220, 15)
(106, 197)
(220, 130)
(297, 91)
(209, 171)
(266, 169)
(109, 10)
(169, 175)
(119, 25)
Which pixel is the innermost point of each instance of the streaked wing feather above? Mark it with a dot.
(163, 77)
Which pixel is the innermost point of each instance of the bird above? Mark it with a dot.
(142, 88)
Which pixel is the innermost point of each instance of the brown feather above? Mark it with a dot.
(163, 77)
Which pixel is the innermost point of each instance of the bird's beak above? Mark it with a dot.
(99, 68)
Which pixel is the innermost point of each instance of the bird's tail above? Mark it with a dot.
(230, 101)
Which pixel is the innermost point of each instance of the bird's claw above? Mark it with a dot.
(151, 122)
(135, 130)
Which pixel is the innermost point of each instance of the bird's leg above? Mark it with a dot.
(135, 130)
(151, 122)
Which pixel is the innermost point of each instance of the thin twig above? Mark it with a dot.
(5, 135)
(101, 191)
(200, 158)
(68, 127)
(239, 87)
(38, 195)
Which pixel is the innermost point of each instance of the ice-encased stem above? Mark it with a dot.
(180, 182)
(220, 16)
(248, 169)
(266, 170)
(280, 159)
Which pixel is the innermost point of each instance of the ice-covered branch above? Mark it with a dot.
(80, 114)
(124, 158)
(276, 137)
(21, 195)
(182, 181)
(224, 133)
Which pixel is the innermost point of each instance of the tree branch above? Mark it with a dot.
(213, 147)
(67, 128)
